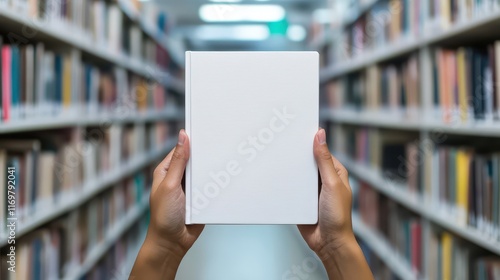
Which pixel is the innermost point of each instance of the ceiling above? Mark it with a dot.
(188, 25)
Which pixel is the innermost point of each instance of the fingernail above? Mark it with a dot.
(182, 138)
(321, 136)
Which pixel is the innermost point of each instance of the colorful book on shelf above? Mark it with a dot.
(400, 228)
(446, 254)
(390, 89)
(6, 82)
(466, 84)
(24, 155)
(62, 246)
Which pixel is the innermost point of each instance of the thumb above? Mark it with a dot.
(329, 176)
(178, 163)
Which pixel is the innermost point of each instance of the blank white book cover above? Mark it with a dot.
(251, 118)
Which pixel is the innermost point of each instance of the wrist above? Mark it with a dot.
(345, 260)
(163, 247)
(337, 245)
(155, 261)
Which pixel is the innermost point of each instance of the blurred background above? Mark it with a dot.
(92, 97)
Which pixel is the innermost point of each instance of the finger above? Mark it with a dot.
(341, 171)
(178, 163)
(329, 176)
(161, 170)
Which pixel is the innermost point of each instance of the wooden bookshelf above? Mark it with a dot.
(76, 198)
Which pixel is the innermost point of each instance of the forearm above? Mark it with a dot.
(155, 262)
(346, 262)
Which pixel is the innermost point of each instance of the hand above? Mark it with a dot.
(334, 226)
(168, 238)
(168, 202)
(332, 238)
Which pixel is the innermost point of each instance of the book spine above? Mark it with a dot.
(6, 82)
(189, 207)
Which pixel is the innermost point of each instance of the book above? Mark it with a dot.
(39, 82)
(487, 268)
(446, 245)
(258, 112)
(66, 243)
(399, 227)
(6, 82)
(25, 153)
(392, 89)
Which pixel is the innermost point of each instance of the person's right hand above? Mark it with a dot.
(334, 227)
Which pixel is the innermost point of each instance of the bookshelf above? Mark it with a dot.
(66, 36)
(110, 239)
(88, 190)
(381, 248)
(388, 121)
(152, 32)
(407, 45)
(357, 12)
(419, 205)
(361, 125)
(94, 120)
(125, 89)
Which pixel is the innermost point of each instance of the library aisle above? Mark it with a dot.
(92, 96)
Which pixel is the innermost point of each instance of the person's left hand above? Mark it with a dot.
(167, 201)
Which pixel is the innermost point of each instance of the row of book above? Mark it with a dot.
(391, 22)
(385, 23)
(392, 88)
(460, 180)
(487, 268)
(98, 21)
(465, 83)
(38, 82)
(383, 151)
(402, 230)
(451, 258)
(60, 247)
(56, 167)
(464, 87)
(448, 257)
(466, 181)
(118, 262)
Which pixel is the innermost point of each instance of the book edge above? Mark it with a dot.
(188, 132)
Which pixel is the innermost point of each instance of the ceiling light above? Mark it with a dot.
(235, 13)
(247, 32)
(323, 16)
(296, 33)
(225, 1)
